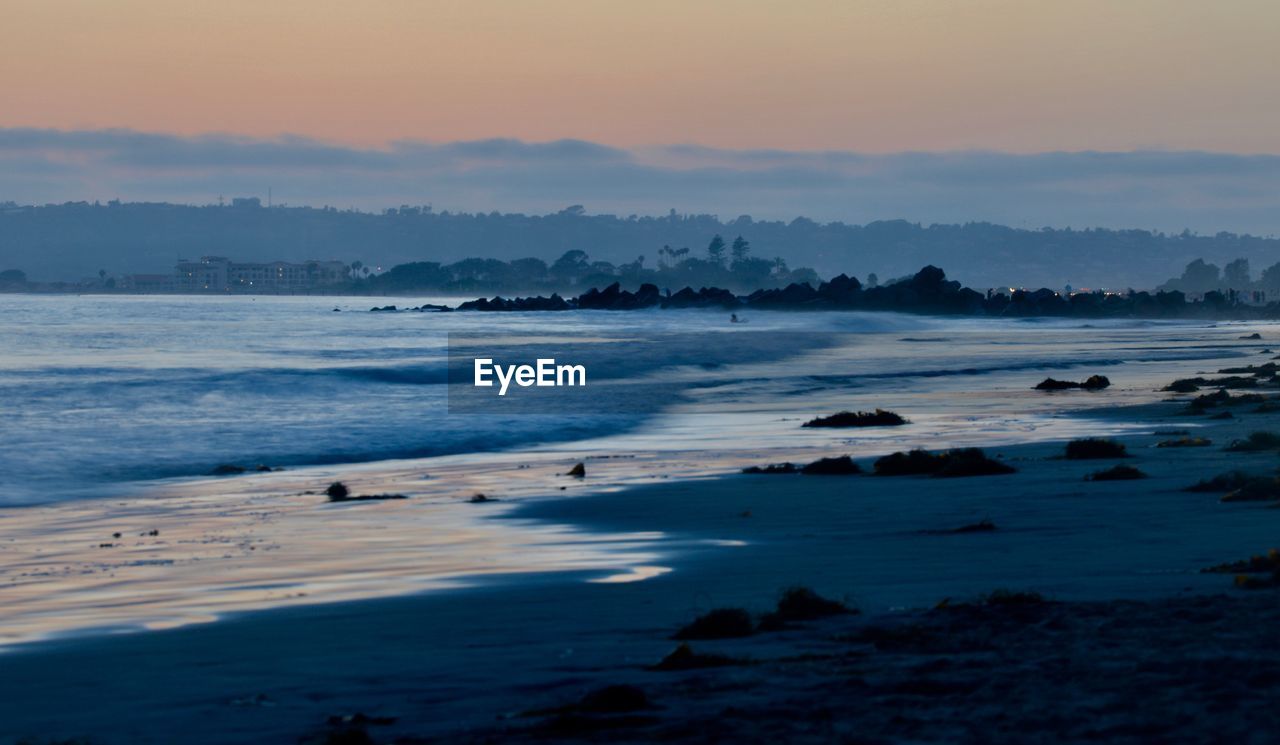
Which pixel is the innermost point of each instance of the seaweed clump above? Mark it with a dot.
(949, 464)
(1222, 483)
(1185, 442)
(1092, 383)
(877, 418)
(1254, 573)
(684, 657)
(773, 468)
(802, 604)
(1256, 442)
(841, 466)
(1116, 473)
(1094, 448)
(721, 623)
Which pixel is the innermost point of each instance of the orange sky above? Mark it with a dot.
(869, 75)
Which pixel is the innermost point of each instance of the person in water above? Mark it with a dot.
(733, 318)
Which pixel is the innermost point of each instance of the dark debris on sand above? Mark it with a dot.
(1221, 397)
(338, 492)
(1092, 383)
(1011, 667)
(1185, 442)
(773, 468)
(949, 464)
(1222, 483)
(1116, 473)
(721, 623)
(982, 526)
(684, 657)
(1092, 448)
(839, 466)
(1256, 442)
(799, 604)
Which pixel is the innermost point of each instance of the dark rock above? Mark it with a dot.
(1266, 370)
(578, 471)
(1096, 383)
(1094, 448)
(227, 469)
(684, 658)
(370, 498)
(721, 623)
(878, 418)
(1116, 473)
(1256, 442)
(1052, 384)
(927, 291)
(951, 464)
(1185, 442)
(773, 468)
(841, 466)
(614, 297)
(614, 699)
(970, 462)
(803, 604)
(1092, 383)
(1262, 489)
(1266, 563)
(706, 297)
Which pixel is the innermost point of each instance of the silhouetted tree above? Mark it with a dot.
(715, 250)
(740, 249)
(1198, 277)
(570, 262)
(1236, 275)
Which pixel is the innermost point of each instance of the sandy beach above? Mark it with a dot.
(511, 658)
(811, 372)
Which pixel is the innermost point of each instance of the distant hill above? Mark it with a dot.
(76, 240)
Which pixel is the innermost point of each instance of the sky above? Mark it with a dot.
(820, 82)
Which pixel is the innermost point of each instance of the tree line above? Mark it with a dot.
(74, 241)
(720, 264)
(1235, 279)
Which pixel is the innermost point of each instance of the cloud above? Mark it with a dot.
(1167, 190)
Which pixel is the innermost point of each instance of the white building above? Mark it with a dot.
(220, 274)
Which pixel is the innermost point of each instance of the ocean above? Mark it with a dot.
(101, 392)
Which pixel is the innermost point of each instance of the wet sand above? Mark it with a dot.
(467, 663)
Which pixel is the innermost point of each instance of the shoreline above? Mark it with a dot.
(425, 659)
(925, 292)
(263, 541)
